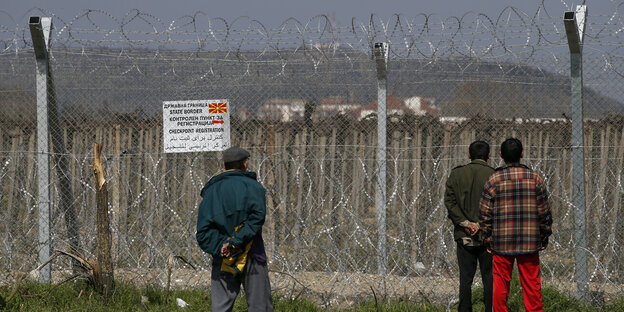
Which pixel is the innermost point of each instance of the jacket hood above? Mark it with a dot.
(230, 173)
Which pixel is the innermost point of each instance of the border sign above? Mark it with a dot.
(196, 126)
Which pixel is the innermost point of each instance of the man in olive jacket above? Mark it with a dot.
(229, 227)
(463, 192)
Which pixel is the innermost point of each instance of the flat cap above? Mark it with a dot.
(235, 153)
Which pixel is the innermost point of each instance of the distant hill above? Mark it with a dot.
(98, 82)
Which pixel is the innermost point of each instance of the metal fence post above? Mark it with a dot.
(40, 28)
(381, 58)
(575, 27)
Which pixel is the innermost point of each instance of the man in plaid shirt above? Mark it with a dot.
(516, 222)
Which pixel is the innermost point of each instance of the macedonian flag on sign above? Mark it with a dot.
(217, 108)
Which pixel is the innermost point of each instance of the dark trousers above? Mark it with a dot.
(467, 258)
(255, 280)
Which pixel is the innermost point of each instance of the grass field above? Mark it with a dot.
(79, 297)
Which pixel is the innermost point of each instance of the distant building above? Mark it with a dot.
(459, 120)
(333, 106)
(453, 120)
(285, 109)
(421, 106)
(281, 109)
(243, 113)
(397, 106)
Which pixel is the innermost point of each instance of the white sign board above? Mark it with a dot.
(196, 126)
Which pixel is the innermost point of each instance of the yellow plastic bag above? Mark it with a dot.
(235, 264)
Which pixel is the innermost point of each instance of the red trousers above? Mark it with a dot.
(529, 271)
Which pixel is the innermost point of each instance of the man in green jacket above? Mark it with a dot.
(229, 227)
(463, 192)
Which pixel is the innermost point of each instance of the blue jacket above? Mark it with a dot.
(230, 199)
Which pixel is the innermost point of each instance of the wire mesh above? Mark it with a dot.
(304, 103)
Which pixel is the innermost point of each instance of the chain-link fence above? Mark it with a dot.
(303, 99)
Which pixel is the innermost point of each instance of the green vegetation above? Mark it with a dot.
(554, 300)
(79, 297)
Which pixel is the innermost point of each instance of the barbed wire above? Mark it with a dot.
(430, 36)
(491, 77)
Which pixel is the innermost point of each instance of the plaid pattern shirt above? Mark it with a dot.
(514, 211)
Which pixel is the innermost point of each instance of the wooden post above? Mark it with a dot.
(601, 191)
(116, 169)
(333, 210)
(270, 183)
(415, 213)
(277, 199)
(287, 224)
(12, 199)
(125, 176)
(356, 174)
(320, 173)
(295, 167)
(103, 282)
(617, 198)
(147, 210)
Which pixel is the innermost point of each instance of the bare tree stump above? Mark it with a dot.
(104, 278)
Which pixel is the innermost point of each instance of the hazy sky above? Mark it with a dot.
(273, 12)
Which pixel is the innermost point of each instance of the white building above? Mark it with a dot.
(283, 109)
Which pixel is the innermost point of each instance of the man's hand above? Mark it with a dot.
(472, 228)
(226, 251)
